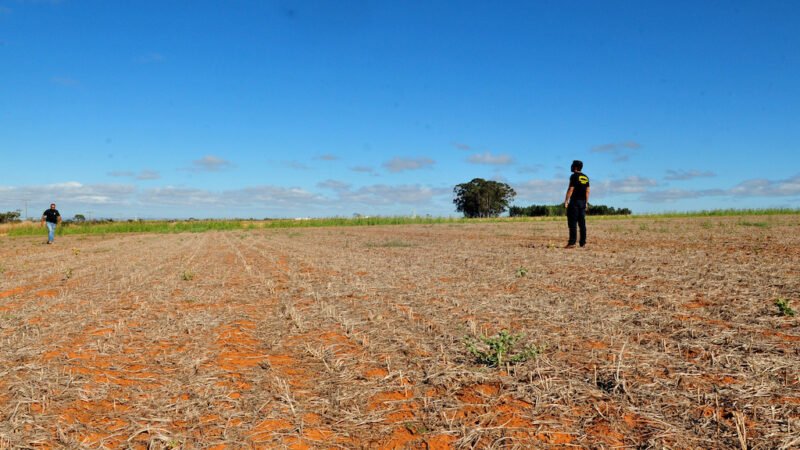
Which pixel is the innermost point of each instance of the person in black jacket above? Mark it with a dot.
(576, 202)
(52, 218)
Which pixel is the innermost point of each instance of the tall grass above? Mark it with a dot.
(197, 226)
(357, 221)
(130, 227)
(727, 212)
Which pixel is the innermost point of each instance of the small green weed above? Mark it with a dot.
(498, 350)
(745, 223)
(68, 274)
(187, 275)
(521, 272)
(784, 307)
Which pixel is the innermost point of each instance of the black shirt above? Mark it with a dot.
(51, 215)
(579, 182)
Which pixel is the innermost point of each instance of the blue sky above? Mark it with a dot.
(320, 108)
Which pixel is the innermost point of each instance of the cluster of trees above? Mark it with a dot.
(560, 210)
(486, 198)
(10, 216)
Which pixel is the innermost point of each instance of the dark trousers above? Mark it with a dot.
(576, 217)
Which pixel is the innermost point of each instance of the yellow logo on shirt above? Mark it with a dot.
(583, 179)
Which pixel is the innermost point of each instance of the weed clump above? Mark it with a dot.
(496, 351)
(187, 275)
(784, 308)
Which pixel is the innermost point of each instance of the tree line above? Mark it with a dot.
(560, 210)
(486, 198)
(10, 216)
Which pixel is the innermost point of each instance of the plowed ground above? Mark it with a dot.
(661, 333)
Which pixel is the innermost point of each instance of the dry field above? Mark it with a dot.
(662, 333)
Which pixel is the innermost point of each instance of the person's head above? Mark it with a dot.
(576, 166)
(52, 206)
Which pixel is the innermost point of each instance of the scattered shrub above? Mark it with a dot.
(501, 349)
(784, 308)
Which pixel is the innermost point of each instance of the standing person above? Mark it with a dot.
(52, 218)
(576, 201)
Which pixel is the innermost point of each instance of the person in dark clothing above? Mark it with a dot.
(51, 217)
(576, 201)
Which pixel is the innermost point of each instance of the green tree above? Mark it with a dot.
(482, 198)
(79, 218)
(10, 216)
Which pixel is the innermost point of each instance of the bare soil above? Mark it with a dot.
(661, 333)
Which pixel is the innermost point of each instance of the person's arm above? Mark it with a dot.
(587, 199)
(42, 220)
(58, 219)
(566, 198)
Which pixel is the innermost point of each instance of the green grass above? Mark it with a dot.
(726, 212)
(197, 226)
(131, 227)
(361, 221)
(745, 223)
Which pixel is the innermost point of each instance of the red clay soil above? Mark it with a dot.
(662, 333)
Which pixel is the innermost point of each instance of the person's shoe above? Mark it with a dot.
(583, 245)
(569, 246)
(48, 242)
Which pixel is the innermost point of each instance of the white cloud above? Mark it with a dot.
(541, 191)
(334, 185)
(74, 193)
(687, 174)
(148, 175)
(291, 197)
(296, 165)
(530, 169)
(749, 188)
(381, 194)
(255, 196)
(671, 195)
(363, 169)
(491, 159)
(121, 173)
(327, 157)
(629, 185)
(767, 188)
(620, 150)
(402, 164)
(143, 175)
(210, 163)
(177, 196)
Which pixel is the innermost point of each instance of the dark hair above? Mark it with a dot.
(576, 165)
